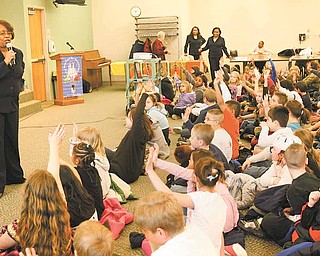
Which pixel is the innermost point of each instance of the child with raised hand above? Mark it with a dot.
(231, 111)
(187, 173)
(128, 159)
(79, 202)
(208, 208)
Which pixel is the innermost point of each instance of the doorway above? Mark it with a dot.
(37, 39)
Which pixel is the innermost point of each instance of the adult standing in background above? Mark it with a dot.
(158, 47)
(194, 41)
(11, 71)
(217, 47)
(260, 50)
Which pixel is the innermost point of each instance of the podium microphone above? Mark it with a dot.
(13, 61)
(71, 47)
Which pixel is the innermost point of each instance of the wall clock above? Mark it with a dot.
(135, 11)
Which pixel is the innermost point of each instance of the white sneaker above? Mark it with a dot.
(177, 129)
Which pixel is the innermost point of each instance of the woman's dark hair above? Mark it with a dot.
(192, 30)
(8, 26)
(218, 29)
(79, 202)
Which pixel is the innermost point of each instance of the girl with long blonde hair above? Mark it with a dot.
(44, 222)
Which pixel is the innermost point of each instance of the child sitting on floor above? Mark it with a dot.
(92, 238)
(161, 219)
(157, 113)
(207, 208)
(186, 98)
(221, 138)
(188, 174)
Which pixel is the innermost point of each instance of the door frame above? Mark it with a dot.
(44, 47)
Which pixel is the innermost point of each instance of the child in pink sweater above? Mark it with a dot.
(188, 174)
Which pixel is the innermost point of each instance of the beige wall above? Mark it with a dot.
(243, 23)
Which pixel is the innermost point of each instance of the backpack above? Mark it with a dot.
(147, 45)
(286, 53)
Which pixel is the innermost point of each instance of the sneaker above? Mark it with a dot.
(177, 129)
(175, 117)
(252, 228)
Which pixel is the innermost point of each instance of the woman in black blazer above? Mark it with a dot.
(194, 41)
(11, 71)
(216, 46)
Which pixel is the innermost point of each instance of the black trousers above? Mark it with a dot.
(10, 169)
(277, 227)
(166, 136)
(214, 66)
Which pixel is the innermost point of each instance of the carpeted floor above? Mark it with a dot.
(104, 109)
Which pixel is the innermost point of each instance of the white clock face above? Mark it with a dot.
(135, 11)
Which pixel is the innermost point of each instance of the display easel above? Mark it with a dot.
(61, 100)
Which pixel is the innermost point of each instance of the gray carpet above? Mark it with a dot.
(104, 109)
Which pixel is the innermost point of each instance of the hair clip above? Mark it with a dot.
(210, 177)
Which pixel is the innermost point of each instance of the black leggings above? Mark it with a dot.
(166, 135)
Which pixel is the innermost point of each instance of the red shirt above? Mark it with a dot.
(231, 125)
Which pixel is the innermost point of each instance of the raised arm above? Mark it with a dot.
(183, 200)
(220, 99)
(274, 71)
(55, 140)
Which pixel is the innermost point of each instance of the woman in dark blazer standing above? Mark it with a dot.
(194, 41)
(11, 71)
(216, 46)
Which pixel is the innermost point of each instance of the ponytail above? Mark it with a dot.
(209, 171)
(305, 115)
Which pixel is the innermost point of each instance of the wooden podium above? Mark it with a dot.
(69, 78)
